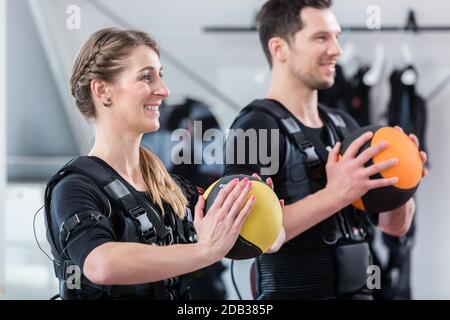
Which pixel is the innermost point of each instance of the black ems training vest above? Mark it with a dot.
(329, 260)
(137, 220)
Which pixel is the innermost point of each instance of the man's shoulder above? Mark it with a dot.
(255, 116)
(350, 123)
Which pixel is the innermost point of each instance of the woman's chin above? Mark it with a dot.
(152, 127)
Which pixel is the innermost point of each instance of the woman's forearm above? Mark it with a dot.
(118, 263)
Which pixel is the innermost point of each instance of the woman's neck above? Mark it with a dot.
(121, 152)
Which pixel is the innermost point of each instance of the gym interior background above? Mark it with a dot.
(40, 128)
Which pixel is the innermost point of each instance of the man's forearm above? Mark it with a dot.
(306, 213)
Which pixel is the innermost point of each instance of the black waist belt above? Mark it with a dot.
(313, 273)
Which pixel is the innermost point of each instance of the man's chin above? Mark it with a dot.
(326, 84)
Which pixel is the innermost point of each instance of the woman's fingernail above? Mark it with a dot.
(248, 185)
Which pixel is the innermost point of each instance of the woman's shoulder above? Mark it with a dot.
(73, 181)
(76, 187)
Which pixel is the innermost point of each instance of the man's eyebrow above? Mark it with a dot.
(320, 33)
(324, 32)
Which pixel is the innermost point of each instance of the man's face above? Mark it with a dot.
(314, 49)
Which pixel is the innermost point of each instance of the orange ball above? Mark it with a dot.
(408, 169)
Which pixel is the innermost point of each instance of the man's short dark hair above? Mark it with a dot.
(281, 18)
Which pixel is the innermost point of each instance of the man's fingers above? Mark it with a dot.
(354, 147)
(378, 167)
(269, 182)
(371, 152)
(255, 175)
(414, 138)
(380, 183)
(333, 154)
(423, 156)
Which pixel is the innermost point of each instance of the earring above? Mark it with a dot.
(108, 102)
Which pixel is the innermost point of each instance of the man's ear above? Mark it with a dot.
(278, 48)
(101, 91)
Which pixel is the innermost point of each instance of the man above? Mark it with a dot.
(326, 255)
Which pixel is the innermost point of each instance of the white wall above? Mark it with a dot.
(2, 134)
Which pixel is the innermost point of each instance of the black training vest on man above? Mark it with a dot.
(307, 266)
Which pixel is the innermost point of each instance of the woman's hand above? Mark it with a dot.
(219, 229)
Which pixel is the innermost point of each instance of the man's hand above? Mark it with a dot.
(397, 222)
(348, 179)
(282, 236)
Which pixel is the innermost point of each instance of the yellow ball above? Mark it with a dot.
(263, 224)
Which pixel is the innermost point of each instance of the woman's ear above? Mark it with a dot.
(278, 49)
(101, 91)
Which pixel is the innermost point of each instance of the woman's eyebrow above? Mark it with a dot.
(150, 68)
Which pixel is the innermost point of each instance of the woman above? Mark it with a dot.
(117, 82)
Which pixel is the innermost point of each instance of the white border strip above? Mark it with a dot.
(2, 138)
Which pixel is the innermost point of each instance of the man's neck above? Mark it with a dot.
(301, 101)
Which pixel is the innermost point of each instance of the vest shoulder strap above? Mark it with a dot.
(149, 223)
(293, 129)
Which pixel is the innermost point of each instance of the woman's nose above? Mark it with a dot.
(161, 90)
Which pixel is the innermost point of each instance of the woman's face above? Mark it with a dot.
(137, 92)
